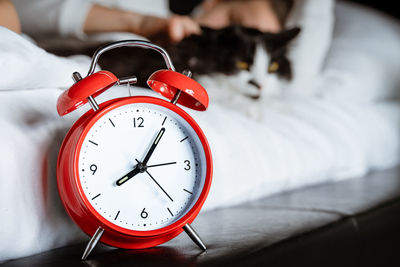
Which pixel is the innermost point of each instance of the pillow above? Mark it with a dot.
(307, 52)
(363, 62)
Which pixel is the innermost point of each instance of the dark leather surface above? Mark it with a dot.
(380, 235)
(348, 223)
(348, 197)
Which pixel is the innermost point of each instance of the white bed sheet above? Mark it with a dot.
(259, 148)
(298, 142)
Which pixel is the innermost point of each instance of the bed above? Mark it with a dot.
(341, 122)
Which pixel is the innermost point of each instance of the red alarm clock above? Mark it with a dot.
(134, 172)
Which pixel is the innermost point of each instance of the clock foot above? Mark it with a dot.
(93, 242)
(194, 236)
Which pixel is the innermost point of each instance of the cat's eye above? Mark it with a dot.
(242, 65)
(273, 67)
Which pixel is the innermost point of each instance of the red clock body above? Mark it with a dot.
(170, 195)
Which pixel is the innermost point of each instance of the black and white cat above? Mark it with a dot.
(245, 60)
(241, 58)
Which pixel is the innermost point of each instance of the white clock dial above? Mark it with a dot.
(163, 192)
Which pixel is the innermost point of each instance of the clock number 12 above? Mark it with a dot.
(138, 122)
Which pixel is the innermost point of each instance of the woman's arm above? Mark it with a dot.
(104, 19)
(77, 17)
(8, 16)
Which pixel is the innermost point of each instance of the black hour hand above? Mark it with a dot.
(128, 176)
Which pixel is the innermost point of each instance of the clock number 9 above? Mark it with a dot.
(140, 121)
(144, 214)
(93, 168)
(187, 165)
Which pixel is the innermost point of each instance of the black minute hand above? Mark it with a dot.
(153, 146)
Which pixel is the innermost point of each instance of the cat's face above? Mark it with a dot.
(247, 57)
(252, 81)
(255, 80)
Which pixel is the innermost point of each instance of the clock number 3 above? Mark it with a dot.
(144, 214)
(138, 122)
(187, 167)
(93, 168)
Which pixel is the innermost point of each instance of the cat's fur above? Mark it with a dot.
(225, 51)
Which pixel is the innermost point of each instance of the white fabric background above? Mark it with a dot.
(316, 19)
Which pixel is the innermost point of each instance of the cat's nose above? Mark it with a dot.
(254, 93)
(255, 84)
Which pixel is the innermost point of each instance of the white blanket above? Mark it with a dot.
(259, 147)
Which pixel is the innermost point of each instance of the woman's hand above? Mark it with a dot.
(173, 29)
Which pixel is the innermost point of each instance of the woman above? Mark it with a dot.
(77, 18)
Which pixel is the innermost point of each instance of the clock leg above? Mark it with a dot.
(93, 242)
(194, 236)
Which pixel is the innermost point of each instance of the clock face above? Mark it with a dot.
(126, 190)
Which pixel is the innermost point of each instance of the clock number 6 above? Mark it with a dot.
(140, 121)
(144, 214)
(187, 165)
(93, 168)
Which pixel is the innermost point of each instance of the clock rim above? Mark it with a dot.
(193, 212)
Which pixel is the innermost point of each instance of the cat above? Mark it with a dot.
(244, 57)
(234, 51)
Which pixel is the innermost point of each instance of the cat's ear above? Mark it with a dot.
(282, 39)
